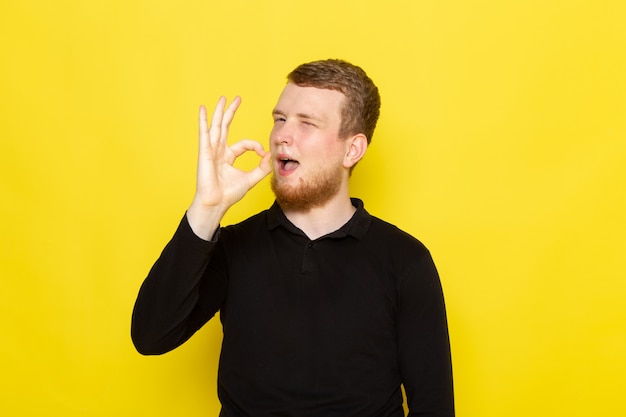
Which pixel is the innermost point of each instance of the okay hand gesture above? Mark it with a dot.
(219, 184)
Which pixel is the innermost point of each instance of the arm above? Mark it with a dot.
(425, 361)
(169, 308)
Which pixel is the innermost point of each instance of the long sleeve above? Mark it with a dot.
(168, 309)
(424, 347)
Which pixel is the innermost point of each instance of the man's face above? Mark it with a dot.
(306, 149)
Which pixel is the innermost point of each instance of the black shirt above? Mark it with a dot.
(324, 327)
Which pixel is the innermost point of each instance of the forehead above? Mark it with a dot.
(319, 102)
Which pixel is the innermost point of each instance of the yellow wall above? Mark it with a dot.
(502, 146)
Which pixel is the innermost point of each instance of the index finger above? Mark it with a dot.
(244, 145)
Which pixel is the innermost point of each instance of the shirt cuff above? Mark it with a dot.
(189, 239)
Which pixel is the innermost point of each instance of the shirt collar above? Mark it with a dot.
(356, 227)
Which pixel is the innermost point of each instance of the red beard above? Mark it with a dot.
(307, 194)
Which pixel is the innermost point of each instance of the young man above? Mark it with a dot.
(326, 310)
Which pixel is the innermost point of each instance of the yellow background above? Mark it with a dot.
(501, 145)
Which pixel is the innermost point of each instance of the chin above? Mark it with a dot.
(305, 195)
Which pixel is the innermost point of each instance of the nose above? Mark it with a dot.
(282, 135)
(283, 140)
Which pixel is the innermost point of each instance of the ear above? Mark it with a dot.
(355, 150)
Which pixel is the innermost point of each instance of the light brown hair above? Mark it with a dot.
(362, 107)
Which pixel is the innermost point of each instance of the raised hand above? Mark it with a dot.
(219, 184)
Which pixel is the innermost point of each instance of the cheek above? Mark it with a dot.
(274, 132)
(335, 150)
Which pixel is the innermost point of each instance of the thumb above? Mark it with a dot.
(260, 172)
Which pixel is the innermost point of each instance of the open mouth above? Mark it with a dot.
(287, 164)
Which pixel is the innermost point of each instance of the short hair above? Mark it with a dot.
(362, 107)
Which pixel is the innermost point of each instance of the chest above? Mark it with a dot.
(329, 288)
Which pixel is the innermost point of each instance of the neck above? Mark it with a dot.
(316, 222)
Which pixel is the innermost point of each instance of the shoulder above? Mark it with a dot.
(247, 227)
(413, 267)
(395, 238)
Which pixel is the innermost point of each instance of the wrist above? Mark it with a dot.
(204, 220)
